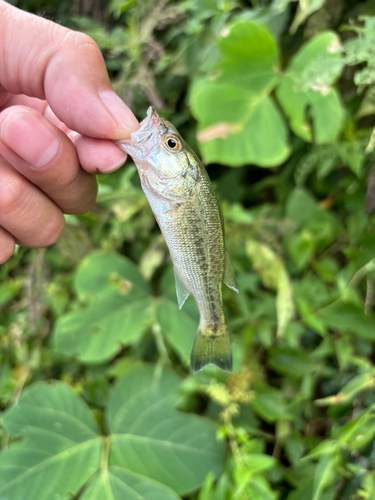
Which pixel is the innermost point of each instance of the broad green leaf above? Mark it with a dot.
(115, 483)
(305, 93)
(274, 275)
(250, 47)
(270, 404)
(301, 207)
(348, 318)
(151, 438)
(61, 450)
(101, 272)
(238, 122)
(259, 489)
(179, 326)
(118, 313)
(293, 362)
(96, 334)
(258, 462)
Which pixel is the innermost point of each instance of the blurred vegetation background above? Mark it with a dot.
(278, 98)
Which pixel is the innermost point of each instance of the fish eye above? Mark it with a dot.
(173, 143)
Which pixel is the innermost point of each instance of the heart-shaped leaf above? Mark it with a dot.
(238, 122)
(114, 483)
(118, 313)
(152, 439)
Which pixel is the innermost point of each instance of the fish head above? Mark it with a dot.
(157, 146)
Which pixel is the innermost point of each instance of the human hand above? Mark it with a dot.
(58, 116)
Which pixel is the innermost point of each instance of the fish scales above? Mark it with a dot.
(197, 251)
(183, 201)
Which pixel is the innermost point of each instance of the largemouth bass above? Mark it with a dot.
(183, 201)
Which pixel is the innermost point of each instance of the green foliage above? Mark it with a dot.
(360, 50)
(118, 311)
(306, 86)
(95, 388)
(234, 110)
(150, 447)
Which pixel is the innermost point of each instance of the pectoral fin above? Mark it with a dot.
(229, 276)
(181, 291)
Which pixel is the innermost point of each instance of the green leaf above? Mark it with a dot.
(270, 404)
(323, 476)
(360, 50)
(301, 207)
(238, 131)
(178, 326)
(305, 90)
(118, 313)
(358, 431)
(152, 439)
(274, 275)
(153, 447)
(62, 446)
(350, 390)
(305, 9)
(352, 155)
(117, 7)
(258, 462)
(348, 318)
(259, 489)
(292, 362)
(301, 247)
(102, 272)
(116, 483)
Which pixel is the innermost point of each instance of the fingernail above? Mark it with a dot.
(119, 111)
(30, 138)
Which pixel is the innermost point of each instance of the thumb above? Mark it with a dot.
(42, 59)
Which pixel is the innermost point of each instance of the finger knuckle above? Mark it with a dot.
(89, 200)
(12, 190)
(52, 230)
(85, 189)
(76, 40)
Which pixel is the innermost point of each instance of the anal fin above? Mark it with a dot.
(229, 276)
(181, 291)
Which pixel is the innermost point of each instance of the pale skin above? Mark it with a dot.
(58, 117)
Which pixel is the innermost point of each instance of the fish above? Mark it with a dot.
(186, 209)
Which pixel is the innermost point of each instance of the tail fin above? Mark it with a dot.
(211, 349)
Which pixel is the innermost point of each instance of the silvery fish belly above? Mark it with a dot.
(181, 196)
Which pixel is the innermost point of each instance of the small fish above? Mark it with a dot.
(181, 196)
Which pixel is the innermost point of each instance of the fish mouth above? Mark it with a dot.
(143, 140)
(148, 126)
